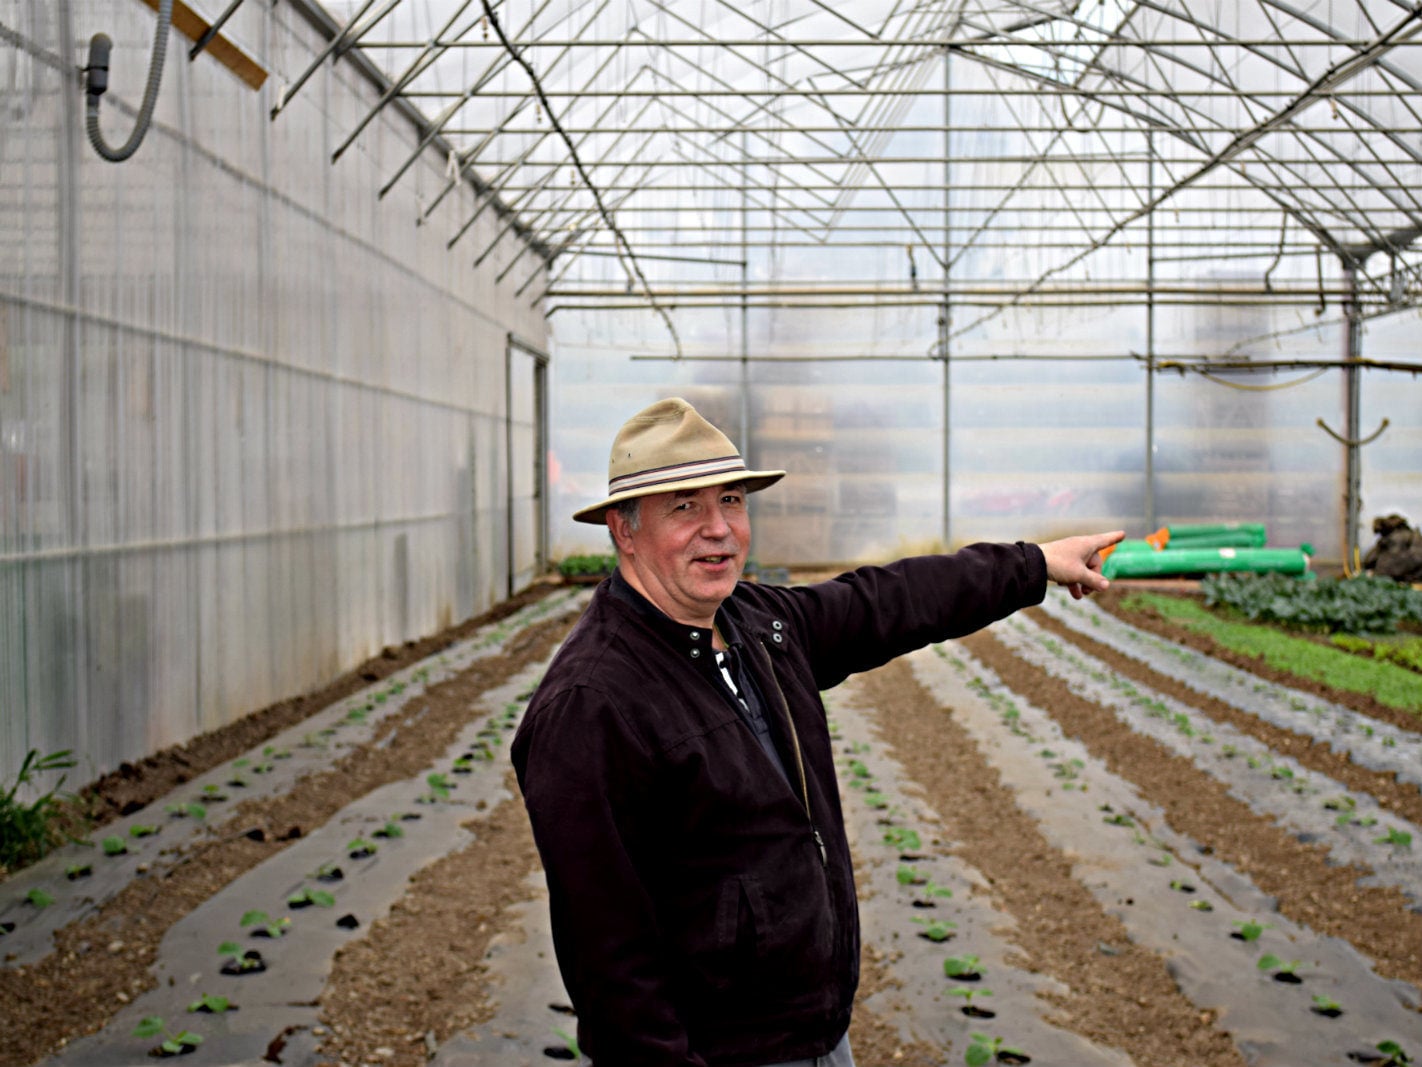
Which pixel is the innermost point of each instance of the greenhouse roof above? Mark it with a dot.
(674, 154)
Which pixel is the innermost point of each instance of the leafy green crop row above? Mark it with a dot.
(583, 566)
(1385, 682)
(1354, 605)
(1405, 653)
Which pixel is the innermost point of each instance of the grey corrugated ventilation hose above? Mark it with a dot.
(98, 81)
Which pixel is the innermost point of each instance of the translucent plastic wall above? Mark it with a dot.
(254, 421)
(1071, 398)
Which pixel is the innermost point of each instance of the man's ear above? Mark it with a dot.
(617, 526)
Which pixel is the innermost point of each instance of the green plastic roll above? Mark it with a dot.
(1134, 544)
(1218, 535)
(1204, 561)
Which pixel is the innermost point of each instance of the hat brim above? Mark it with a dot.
(754, 481)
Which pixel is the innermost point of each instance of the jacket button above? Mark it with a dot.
(777, 625)
(696, 652)
(777, 638)
(695, 635)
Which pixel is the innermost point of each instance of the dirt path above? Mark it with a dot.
(1117, 993)
(420, 979)
(104, 961)
(1310, 888)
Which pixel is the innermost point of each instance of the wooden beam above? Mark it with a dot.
(192, 26)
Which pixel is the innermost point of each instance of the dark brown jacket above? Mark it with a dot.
(703, 905)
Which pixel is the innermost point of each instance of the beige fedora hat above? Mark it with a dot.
(667, 447)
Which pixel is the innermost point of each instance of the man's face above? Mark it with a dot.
(688, 550)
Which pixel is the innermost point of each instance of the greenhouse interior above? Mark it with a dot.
(318, 317)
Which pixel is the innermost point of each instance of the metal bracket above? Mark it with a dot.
(213, 30)
(1352, 442)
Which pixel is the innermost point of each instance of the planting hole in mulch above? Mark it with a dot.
(1288, 978)
(333, 874)
(250, 963)
(161, 1053)
(562, 1009)
(1327, 1013)
(972, 1011)
(348, 922)
(555, 1052)
(1013, 1057)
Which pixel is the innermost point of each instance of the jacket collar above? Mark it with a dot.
(739, 621)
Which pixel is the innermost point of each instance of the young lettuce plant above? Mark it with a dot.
(1249, 930)
(172, 1044)
(306, 896)
(264, 925)
(212, 1004)
(969, 1008)
(983, 1049)
(963, 968)
(1326, 1006)
(236, 961)
(936, 930)
(1284, 970)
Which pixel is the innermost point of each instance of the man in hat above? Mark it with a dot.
(677, 766)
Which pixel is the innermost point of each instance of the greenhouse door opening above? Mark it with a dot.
(527, 440)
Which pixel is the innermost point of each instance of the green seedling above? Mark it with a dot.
(211, 1003)
(1161, 859)
(876, 800)
(272, 752)
(236, 961)
(1340, 803)
(1283, 970)
(213, 794)
(1118, 819)
(113, 846)
(172, 1044)
(75, 871)
(1398, 839)
(191, 809)
(859, 769)
(356, 715)
(390, 829)
(328, 872)
(306, 896)
(983, 1049)
(1249, 930)
(962, 967)
(264, 925)
(570, 1043)
(1396, 1057)
(439, 785)
(1202, 905)
(936, 930)
(933, 891)
(903, 839)
(140, 830)
(463, 765)
(1326, 1006)
(359, 848)
(969, 1008)
(907, 874)
(39, 898)
(312, 740)
(1181, 887)
(265, 767)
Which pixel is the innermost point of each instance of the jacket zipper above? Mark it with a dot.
(799, 759)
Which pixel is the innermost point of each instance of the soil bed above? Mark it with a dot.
(409, 983)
